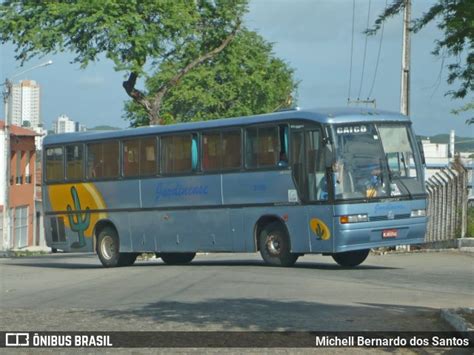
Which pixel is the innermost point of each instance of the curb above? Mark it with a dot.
(454, 318)
(419, 251)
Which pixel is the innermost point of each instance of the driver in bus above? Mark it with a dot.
(374, 183)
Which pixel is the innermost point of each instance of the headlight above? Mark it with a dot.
(354, 218)
(418, 213)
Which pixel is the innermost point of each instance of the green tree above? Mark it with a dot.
(455, 18)
(135, 34)
(244, 79)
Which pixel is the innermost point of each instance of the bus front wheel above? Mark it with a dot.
(177, 258)
(274, 245)
(108, 245)
(351, 258)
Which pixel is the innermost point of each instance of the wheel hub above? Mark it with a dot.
(273, 245)
(108, 247)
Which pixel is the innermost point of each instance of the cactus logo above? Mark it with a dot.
(78, 200)
(320, 229)
(78, 221)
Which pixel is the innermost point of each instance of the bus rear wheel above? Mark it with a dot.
(177, 258)
(274, 245)
(108, 245)
(351, 258)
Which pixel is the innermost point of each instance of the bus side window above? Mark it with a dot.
(231, 149)
(74, 160)
(262, 147)
(148, 156)
(103, 160)
(211, 152)
(131, 149)
(176, 154)
(221, 150)
(54, 164)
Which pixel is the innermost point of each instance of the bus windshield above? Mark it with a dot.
(375, 161)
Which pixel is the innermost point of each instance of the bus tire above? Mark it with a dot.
(177, 258)
(274, 245)
(108, 247)
(351, 258)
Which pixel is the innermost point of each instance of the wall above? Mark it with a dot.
(22, 195)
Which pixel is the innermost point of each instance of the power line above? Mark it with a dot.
(352, 52)
(365, 52)
(438, 80)
(378, 56)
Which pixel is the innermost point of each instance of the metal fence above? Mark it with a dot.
(447, 204)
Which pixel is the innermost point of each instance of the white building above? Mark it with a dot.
(438, 156)
(40, 137)
(24, 104)
(64, 124)
(435, 150)
(80, 127)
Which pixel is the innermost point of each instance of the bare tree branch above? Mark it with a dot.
(175, 80)
(136, 94)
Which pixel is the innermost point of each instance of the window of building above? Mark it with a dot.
(178, 154)
(221, 150)
(27, 167)
(54, 164)
(103, 160)
(74, 160)
(262, 147)
(18, 174)
(20, 233)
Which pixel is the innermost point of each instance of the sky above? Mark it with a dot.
(312, 36)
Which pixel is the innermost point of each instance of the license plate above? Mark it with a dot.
(389, 233)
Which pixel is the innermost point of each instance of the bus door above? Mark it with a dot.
(309, 174)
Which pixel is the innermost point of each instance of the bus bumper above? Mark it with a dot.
(369, 235)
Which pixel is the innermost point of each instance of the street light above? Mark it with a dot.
(6, 201)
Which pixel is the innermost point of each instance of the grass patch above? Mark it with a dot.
(26, 253)
(470, 222)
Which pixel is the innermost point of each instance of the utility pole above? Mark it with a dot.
(405, 83)
(6, 218)
(6, 242)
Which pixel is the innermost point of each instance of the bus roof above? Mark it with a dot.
(326, 115)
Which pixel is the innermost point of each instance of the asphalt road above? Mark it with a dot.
(234, 292)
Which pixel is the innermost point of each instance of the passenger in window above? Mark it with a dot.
(283, 162)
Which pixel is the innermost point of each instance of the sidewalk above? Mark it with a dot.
(26, 250)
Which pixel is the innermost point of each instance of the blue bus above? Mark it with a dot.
(335, 182)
